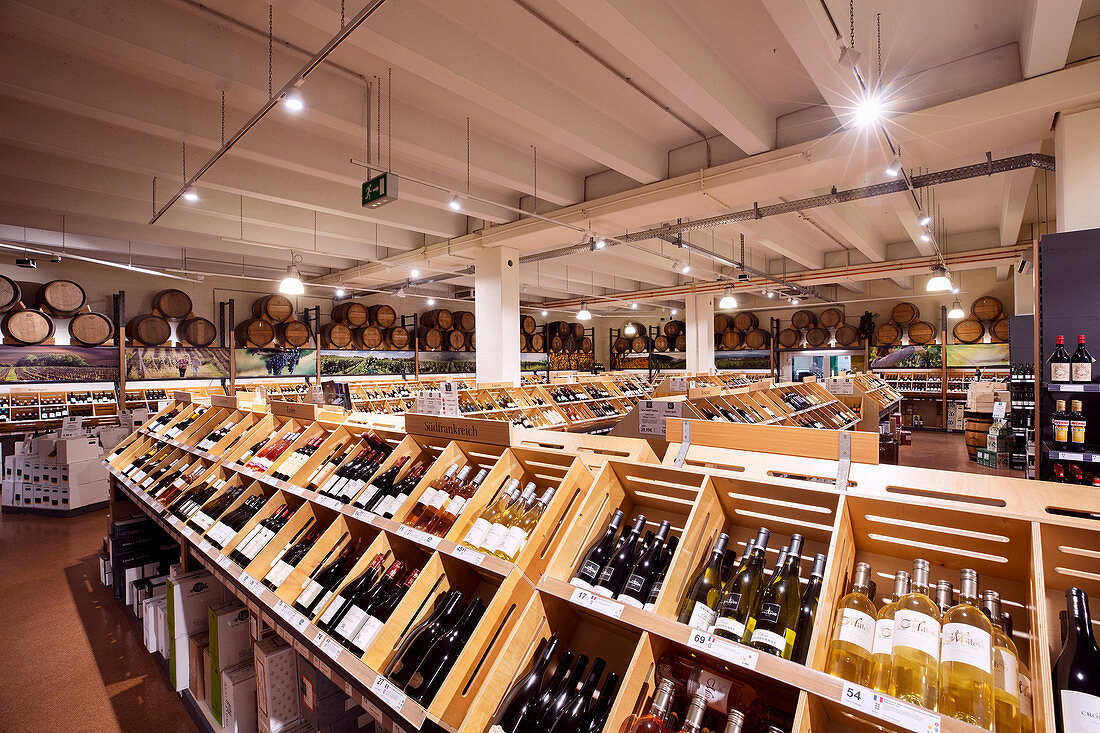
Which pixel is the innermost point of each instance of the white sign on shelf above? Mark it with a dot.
(388, 693)
(606, 606)
(449, 392)
(999, 410)
(725, 650)
(72, 427)
(429, 402)
(678, 384)
(471, 556)
(653, 414)
(889, 709)
(840, 386)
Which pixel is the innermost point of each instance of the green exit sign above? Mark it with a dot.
(380, 190)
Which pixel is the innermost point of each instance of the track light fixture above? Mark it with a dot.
(293, 101)
(633, 306)
(414, 273)
(795, 301)
(595, 243)
(868, 111)
(190, 194)
(956, 310)
(340, 292)
(728, 301)
(940, 281)
(769, 293)
(583, 314)
(673, 312)
(923, 219)
(894, 169)
(926, 237)
(455, 203)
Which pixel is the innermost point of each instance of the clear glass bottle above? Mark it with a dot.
(853, 631)
(945, 596)
(1006, 662)
(884, 635)
(966, 659)
(915, 654)
(1027, 722)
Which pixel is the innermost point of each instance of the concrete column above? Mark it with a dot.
(1077, 156)
(699, 323)
(496, 308)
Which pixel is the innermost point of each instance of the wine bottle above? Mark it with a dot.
(644, 573)
(441, 656)
(597, 555)
(915, 653)
(246, 551)
(289, 558)
(435, 494)
(323, 580)
(805, 625)
(884, 635)
(501, 522)
(1006, 679)
(379, 612)
(366, 579)
(561, 695)
(518, 704)
(417, 640)
(1027, 722)
(226, 528)
(1060, 420)
(518, 533)
(739, 597)
(966, 659)
(662, 571)
(1059, 361)
(596, 718)
(734, 722)
(1080, 364)
(697, 609)
(773, 624)
(853, 631)
(945, 596)
(1077, 425)
(693, 718)
(573, 714)
(476, 534)
(613, 576)
(1076, 675)
(654, 720)
(552, 688)
(351, 619)
(445, 516)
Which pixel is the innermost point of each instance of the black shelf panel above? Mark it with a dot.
(1061, 387)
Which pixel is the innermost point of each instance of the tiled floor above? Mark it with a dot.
(945, 451)
(72, 657)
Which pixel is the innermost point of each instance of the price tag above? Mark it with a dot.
(840, 386)
(364, 515)
(890, 709)
(283, 609)
(332, 503)
(331, 648)
(422, 538)
(323, 668)
(1063, 388)
(347, 689)
(999, 410)
(1072, 456)
(652, 416)
(388, 693)
(224, 561)
(252, 584)
(205, 546)
(471, 556)
(678, 384)
(599, 604)
(449, 393)
(723, 649)
(429, 402)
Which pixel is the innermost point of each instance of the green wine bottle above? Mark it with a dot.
(697, 608)
(739, 595)
(774, 628)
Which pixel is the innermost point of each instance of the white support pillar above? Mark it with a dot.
(496, 308)
(1077, 179)
(699, 323)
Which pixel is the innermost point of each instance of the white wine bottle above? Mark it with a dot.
(1006, 662)
(739, 595)
(775, 621)
(697, 608)
(853, 631)
(915, 653)
(966, 659)
(884, 636)
(1027, 721)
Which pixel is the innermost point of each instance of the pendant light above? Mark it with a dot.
(583, 314)
(630, 330)
(292, 283)
(728, 301)
(940, 281)
(956, 310)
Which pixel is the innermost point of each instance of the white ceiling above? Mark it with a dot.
(98, 97)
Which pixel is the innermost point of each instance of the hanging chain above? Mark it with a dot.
(242, 216)
(389, 117)
(370, 96)
(223, 117)
(535, 159)
(852, 22)
(341, 13)
(467, 155)
(185, 161)
(315, 230)
(154, 195)
(878, 34)
(378, 123)
(270, 38)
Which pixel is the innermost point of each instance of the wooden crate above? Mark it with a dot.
(341, 531)
(476, 455)
(275, 499)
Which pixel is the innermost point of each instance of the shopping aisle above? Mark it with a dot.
(946, 452)
(73, 657)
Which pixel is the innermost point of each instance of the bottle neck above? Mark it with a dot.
(1078, 617)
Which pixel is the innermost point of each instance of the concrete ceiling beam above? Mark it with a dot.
(1047, 31)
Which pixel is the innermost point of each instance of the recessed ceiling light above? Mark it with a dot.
(673, 311)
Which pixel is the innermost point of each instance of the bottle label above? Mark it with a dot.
(1080, 712)
(634, 584)
(589, 570)
(702, 616)
(1077, 431)
(578, 583)
(1061, 431)
(202, 521)
(1025, 695)
(455, 507)
(477, 533)
(365, 636)
(628, 601)
(769, 613)
(350, 623)
(310, 592)
(279, 573)
(884, 636)
(1082, 371)
(218, 532)
(333, 609)
(714, 689)
(1005, 675)
(918, 631)
(967, 644)
(1059, 372)
(730, 625)
(855, 627)
(368, 495)
(516, 536)
(398, 502)
(770, 639)
(493, 537)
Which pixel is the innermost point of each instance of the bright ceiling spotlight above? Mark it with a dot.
(583, 314)
(940, 281)
(955, 291)
(292, 283)
(923, 219)
(340, 292)
(414, 273)
(190, 194)
(545, 313)
(673, 312)
(795, 301)
(769, 293)
(956, 310)
(685, 268)
(926, 237)
(868, 111)
(600, 243)
(727, 301)
(455, 203)
(293, 101)
(431, 301)
(633, 306)
(894, 169)
(630, 330)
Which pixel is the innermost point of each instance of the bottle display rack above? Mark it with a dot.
(852, 512)
(797, 404)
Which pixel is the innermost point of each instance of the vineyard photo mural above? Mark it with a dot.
(177, 363)
(252, 363)
(58, 363)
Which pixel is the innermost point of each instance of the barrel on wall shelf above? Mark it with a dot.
(620, 345)
(789, 338)
(336, 335)
(149, 330)
(681, 342)
(471, 341)
(816, 337)
(846, 335)
(524, 342)
(274, 308)
(91, 329)
(464, 321)
(757, 338)
(968, 331)
(353, 315)
(745, 321)
(382, 315)
(367, 337)
(731, 340)
(172, 303)
(431, 339)
(454, 340)
(398, 338)
(987, 308)
(562, 329)
(10, 293)
(831, 318)
(578, 330)
(921, 333)
(660, 343)
(557, 344)
(293, 334)
(803, 319)
(722, 323)
(888, 334)
(538, 343)
(904, 313)
(440, 318)
(998, 331)
(639, 344)
(197, 332)
(61, 298)
(976, 426)
(254, 333)
(527, 324)
(26, 327)
(672, 329)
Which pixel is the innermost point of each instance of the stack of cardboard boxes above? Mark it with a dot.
(55, 473)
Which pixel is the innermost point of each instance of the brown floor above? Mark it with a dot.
(71, 657)
(945, 451)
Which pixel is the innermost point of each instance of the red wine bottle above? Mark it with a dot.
(519, 704)
(570, 718)
(417, 641)
(562, 695)
(596, 718)
(442, 655)
(614, 575)
(588, 572)
(1080, 364)
(1077, 670)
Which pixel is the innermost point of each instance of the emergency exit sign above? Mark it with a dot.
(380, 190)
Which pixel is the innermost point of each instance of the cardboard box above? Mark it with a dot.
(7, 492)
(276, 685)
(230, 644)
(111, 437)
(993, 459)
(80, 473)
(238, 696)
(197, 645)
(189, 597)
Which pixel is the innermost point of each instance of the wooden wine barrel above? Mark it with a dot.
(639, 344)
(148, 329)
(336, 335)
(921, 333)
(471, 341)
(254, 332)
(61, 298)
(888, 334)
(817, 337)
(846, 335)
(998, 331)
(172, 303)
(382, 315)
(464, 321)
(660, 343)
(831, 318)
(275, 308)
(431, 339)
(569, 345)
(976, 426)
(987, 308)
(721, 323)
(454, 340)
(352, 315)
(681, 342)
(524, 342)
(585, 345)
(557, 344)
(731, 340)
(538, 343)
(620, 345)
(398, 338)
(440, 318)
(91, 329)
(789, 338)
(578, 330)
(757, 338)
(527, 324)
(293, 334)
(672, 329)
(10, 293)
(904, 313)
(197, 332)
(368, 337)
(803, 319)
(746, 321)
(26, 327)
(560, 328)
(968, 331)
